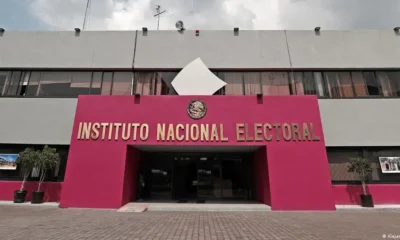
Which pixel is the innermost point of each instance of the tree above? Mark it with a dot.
(362, 167)
(47, 160)
(26, 161)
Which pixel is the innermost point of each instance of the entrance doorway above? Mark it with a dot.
(196, 177)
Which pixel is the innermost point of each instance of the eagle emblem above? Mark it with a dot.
(197, 109)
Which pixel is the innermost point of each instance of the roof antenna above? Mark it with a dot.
(158, 14)
(88, 3)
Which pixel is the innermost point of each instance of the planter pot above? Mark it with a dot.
(37, 197)
(19, 196)
(366, 200)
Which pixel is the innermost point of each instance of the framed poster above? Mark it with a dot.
(390, 164)
(7, 161)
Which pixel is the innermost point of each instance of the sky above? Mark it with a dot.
(200, 14)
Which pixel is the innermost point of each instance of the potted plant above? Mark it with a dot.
(46, 161)
(362, 167)
(25, 161)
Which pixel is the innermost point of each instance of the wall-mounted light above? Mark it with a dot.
(397, 29)
(259, 95)
(77, 30)
(137, 94)
(2, 30)
(236, 29)
(197, 33)
(317, 29)
(144, 29)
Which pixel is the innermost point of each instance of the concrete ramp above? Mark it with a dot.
(133, 207)
(190, 207)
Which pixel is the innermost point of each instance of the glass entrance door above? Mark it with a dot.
(208, 179)
(185, 178)
(196, 176)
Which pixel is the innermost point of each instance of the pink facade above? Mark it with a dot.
(52, 190)
(293, 172)
(289, 173)
(381, 193)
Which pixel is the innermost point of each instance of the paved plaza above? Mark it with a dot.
(44, 222)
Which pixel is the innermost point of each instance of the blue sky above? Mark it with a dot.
(16, 15)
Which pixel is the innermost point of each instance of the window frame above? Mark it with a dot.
(290, 73)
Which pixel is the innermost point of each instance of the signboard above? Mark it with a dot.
(7, 161)
(390, 164)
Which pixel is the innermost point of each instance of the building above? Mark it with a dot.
(295, 107)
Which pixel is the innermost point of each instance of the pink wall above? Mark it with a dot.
(130, 179)
(261, 177)
(52, 190)
(298, 170)
(381, 194)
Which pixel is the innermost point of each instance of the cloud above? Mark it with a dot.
(339, 14)
(219, 14)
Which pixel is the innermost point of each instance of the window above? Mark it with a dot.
(13, 85)
(360, 87)
(252, 83)
(339, 84)
(234, 82)
(33, 84)
(331, 84)
(275, 83)
(95, 87)
(57, 174)
(106, 85)
(154, 83)
(338, 158)
(4, 76)
(122, 83)
(58, 84)
(390, 83)
(373, 87)
(319, 84)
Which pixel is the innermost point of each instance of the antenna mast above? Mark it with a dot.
(158, 14)
(88, 3)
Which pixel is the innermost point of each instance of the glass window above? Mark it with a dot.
(143, 82)
(360, 87)
(297, 87)
(80, 84)
(234, 82)
(309, 84)
(319, 83)
(338, 159)
(346, 85)
(4, 76)
(252, 83)
(162, 83)
(95, 88)
(339, 84)
(154, 83)
(107, 81)
(332, 83)
(122, 83)
(13, 86)
(275, 83)
(33, 84)
(389, 82)
(373, 86)
(64, 84)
